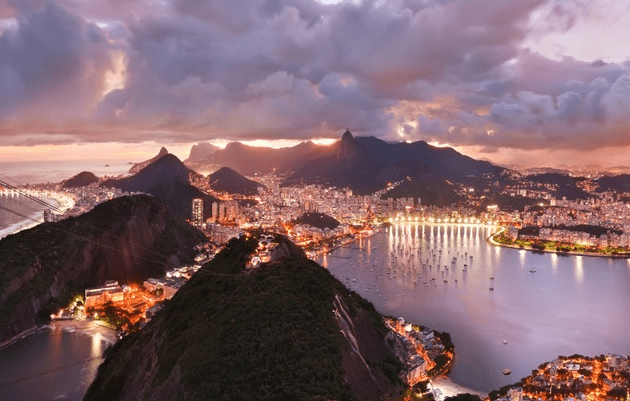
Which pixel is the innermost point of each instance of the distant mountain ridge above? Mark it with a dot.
(228, 180)
(366, 165)
(252, 160)
(201, 151)
(167, 178)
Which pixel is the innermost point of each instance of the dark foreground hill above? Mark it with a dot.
(285, 331)
(83, 179)
(126, 239)
(227, 180)
(166, 179)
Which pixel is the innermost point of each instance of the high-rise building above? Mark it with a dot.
(197, 211)
(222, 211)
(215, 210)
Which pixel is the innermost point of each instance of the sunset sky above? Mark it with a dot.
(527, 82)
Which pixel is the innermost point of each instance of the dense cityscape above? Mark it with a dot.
(351, 200)
(321, 219)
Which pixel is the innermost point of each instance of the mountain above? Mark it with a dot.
(82, 179)
(319, 220)
(139, 166)
(566, 185)
(227, 180)
(125, 239)
(618, 183)
(167, 179)
(252, 160)
(428, 187)
(367, 165)
(444, 161)
(287, 330)
(201, 151)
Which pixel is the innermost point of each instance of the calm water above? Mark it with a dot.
(54, 364)
(570, 304)
(53, 171)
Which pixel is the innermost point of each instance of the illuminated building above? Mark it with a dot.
(197, 211)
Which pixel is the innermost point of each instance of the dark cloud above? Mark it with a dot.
(453, 71)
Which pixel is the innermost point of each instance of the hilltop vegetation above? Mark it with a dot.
(267, 334)
(319, 220)
(82, 179)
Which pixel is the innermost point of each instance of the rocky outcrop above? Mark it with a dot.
(127, 239)
(365, 344)
(286, 250)
(201, 151)
(139, 166)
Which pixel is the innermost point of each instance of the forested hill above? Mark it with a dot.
(125, 239)
(287, 330)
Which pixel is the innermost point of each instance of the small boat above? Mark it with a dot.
(504, 341)
(491, 289)
(532, 270)
(506, 371)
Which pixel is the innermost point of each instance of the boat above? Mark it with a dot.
(504, 341)
(491, 289)
(532, 270)
(506, 371)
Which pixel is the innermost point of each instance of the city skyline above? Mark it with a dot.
(529, 83)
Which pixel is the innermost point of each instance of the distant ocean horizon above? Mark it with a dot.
(22, 173)
(53, 171)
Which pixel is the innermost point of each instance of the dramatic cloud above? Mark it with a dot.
(459, 72)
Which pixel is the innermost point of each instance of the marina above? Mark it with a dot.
(499, 315)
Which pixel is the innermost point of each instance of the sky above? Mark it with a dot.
(516, 82)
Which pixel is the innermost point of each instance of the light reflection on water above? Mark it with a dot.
(54, 363)
(571, 304)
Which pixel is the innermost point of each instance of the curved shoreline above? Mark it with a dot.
(60, 200)
(84, 325)
(490, 240)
